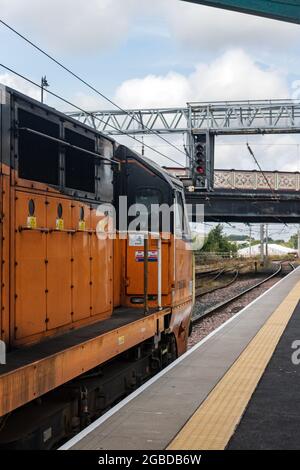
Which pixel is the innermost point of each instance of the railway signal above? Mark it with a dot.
(202, 160)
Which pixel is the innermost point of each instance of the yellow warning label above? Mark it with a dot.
(81, 225)
(31, 222)
(59, 224)
(121, 340)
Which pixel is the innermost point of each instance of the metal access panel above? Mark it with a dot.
(59, 239)
(30, 267)
(283, 10)
(81, 263)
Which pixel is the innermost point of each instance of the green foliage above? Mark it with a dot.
(235, 238)
(243, 245)
(293, 241)
(217, 242)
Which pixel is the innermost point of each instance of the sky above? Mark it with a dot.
(161, 53)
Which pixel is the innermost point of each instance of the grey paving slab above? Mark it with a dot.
(153, 418)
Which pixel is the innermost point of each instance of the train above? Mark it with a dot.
(87, 312)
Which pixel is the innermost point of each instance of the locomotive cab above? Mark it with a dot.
(169, 270)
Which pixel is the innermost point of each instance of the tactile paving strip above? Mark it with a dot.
(218, 416)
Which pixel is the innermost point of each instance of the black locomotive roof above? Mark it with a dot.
(147, 162)
(49, 109)
(151, 165)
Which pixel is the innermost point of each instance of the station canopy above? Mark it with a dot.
(284, 10)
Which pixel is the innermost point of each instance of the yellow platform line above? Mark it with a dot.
(215, 421)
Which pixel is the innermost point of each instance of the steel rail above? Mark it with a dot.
(211, 310)
(209, 273)
(213, 289)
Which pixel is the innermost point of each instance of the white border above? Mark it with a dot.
(137, 392)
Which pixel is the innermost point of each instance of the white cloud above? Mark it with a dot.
(90, 102)
(273, 152)
(72, 25)
(96, 25)
(21, 85)
(234, 75)
(153, 90)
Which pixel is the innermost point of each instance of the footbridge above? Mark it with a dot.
(249, 196)
(228, 195)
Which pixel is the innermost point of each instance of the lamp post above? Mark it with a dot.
(44, 84)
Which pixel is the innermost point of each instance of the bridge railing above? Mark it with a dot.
(255, 180)
(252, 179)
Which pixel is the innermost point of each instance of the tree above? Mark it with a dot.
(293, 241)
(217, 242)
(234, 238)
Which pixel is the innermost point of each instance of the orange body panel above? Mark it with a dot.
(63, 273)
(5, 258)
(2, 328)
(101, 272)
(117, 272)
(101, 276)
(179, 325)
(30, 268)
(81, 264)
(183, 272)
(135, 268)
(59, 254)
(81, 273)
(177, 273)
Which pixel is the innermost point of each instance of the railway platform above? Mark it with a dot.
(236, 389)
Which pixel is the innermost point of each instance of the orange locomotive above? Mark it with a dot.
(84, 318)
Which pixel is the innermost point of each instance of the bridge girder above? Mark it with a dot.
(243, 206)
(219, 118)
(215, 118)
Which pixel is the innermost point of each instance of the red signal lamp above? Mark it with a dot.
(200, 170)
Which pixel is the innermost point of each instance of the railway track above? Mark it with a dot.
(215, 274)
(235, 272)
(219, 305)
(209, 273)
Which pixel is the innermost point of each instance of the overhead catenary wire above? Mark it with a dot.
(99, 119)
(87, 112)
(260, 168)
(151, 131)
(265, 178)
(255, 230)
(91, 87)
(98, 92)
